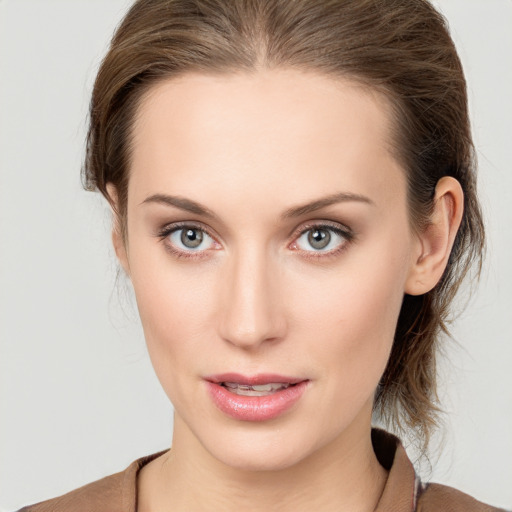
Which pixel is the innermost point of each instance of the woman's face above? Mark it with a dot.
(268, 244)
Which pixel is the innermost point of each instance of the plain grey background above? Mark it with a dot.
(78, 397)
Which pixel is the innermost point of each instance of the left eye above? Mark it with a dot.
(321, 239)
(190, 238)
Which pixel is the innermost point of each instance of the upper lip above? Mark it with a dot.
(253, 380)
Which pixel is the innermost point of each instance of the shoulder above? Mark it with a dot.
(113, 493)
(442, 498)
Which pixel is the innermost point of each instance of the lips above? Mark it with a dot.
(255, 398)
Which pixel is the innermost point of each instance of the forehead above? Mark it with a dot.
(265, 131)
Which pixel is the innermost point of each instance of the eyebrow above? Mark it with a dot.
(296, 211)
(340, 197)
(182, 203)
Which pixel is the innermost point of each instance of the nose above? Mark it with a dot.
(251, 312)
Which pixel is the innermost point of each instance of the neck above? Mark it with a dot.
(343, 475)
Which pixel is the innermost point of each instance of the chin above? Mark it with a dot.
(257, 458)
(260, 447)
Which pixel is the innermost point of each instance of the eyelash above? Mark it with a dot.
(343, 232)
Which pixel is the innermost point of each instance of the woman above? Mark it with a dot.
(294, 202)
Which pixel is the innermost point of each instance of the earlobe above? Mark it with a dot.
(436, 241)
(117, 237)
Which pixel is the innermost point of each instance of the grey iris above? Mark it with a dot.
(319, 238)
(191, 238)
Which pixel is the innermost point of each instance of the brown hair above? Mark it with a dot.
(401, 48)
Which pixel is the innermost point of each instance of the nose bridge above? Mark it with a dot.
(250, 312)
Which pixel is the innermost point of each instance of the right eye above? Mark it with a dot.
(190, 239)
(187, 240)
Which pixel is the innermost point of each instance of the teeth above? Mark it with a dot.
(255, 390)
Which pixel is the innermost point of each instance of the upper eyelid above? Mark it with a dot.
(167, 229)
(322, 224)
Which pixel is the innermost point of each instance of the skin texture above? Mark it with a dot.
(257, 297)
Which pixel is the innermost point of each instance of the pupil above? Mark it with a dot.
(191, 238)
(319, 238)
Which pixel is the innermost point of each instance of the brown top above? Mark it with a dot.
(403, 491)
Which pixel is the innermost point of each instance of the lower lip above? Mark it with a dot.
(255, 408)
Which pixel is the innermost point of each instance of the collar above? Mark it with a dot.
(401, 488)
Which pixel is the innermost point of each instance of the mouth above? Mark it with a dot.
(256, 389)
(257, 398)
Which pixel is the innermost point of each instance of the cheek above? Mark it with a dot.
(173, 305)
(351, 313)
(169, 293)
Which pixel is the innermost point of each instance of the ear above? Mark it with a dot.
(436, 241)
(117, 237)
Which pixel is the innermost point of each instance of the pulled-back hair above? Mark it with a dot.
(400, 48)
